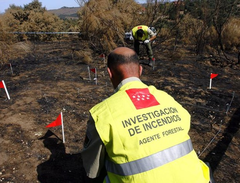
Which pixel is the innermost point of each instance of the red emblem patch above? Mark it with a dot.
(141, 98)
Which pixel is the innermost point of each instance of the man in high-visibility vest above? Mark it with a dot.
(140, 133)
(142, 34)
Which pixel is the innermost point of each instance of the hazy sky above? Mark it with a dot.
(49, 4)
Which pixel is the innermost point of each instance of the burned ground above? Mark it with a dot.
(52, 79)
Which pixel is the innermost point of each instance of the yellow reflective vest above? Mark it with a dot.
(145, 132)
(144, 28)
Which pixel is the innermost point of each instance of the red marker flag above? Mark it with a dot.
(93, 70)
(142, 98)
(2, 85)
(213, 75)
(57, 122)
(102, 55)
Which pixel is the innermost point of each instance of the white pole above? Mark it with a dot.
(104, 59)
(6, 90)
(62, 128)
(210, 84)
(153, 64)
(89, 75)
(96, 75)
(230, 102)
(11, 68)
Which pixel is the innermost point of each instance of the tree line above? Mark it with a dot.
(208, 25)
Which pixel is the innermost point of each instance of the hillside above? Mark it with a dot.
(66, 12)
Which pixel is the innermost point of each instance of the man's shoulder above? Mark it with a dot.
(105, 101)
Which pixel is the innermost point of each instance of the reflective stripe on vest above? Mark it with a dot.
(150, 162)
(107, 180)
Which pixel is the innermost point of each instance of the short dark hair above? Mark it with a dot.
(140, 33)
(115, 60)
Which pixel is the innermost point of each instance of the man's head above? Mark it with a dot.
(140, 33)
(123, 63)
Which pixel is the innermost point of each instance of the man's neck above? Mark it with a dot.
(125, 81)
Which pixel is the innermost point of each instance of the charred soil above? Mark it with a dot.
(52, 79)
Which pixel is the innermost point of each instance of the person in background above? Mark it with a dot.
(139, 134)
(142, 34)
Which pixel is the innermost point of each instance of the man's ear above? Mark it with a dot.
(140, 70)
(109, 73)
